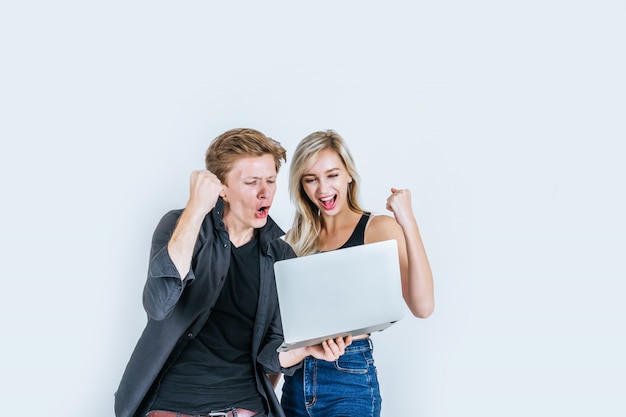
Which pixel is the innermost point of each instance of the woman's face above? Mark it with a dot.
(326, 181)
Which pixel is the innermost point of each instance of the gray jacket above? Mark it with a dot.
(177, 310)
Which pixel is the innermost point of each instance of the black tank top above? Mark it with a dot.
(358, 235)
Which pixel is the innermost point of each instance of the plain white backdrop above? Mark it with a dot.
(504, 118)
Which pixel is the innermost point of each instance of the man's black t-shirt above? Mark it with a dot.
(216, 369)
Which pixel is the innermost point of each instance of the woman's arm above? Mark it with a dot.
(417, 279)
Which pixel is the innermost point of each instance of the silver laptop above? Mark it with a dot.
(353, 291)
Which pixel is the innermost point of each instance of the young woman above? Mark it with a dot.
(324, 186)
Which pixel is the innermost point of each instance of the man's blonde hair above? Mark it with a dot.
(238, 143)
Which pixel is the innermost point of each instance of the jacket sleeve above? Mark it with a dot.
(163, 286)
(268, 355)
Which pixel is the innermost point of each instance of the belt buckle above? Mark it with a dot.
(218, 414)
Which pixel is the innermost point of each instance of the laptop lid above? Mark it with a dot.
(354, 290)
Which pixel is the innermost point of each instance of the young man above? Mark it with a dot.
(213, 320)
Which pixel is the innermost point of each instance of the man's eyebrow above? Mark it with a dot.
(254, 177)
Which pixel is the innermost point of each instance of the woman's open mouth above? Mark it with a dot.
(328, 203)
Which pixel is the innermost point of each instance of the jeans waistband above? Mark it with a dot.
(360, 345)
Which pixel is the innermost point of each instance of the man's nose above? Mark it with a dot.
(264, 190)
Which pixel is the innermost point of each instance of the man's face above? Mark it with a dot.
(248, 193)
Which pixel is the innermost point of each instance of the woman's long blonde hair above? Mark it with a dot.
(307, 221)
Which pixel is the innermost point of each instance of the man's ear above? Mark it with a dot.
(223, 193)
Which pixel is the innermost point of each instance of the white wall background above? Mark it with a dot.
(504, 118)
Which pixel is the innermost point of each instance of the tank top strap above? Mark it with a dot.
(358, 235)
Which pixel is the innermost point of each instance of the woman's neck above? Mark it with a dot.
(335, 230)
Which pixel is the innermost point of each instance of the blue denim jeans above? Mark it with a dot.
(347, 387)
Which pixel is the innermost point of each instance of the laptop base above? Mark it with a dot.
(285, 346)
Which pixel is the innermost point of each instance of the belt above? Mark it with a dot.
(233, 412)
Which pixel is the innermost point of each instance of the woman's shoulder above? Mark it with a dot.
(379, 219)
(381, 227)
